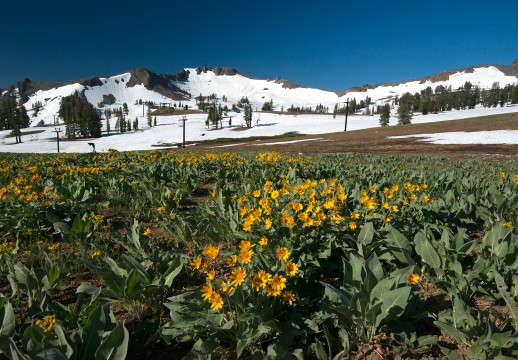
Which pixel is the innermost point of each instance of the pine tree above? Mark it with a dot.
(149, 118)
(248, 115)
(122, 122)
(80, 117)
(135, 124)
(385, 115)
(514, 97)
(405, 109)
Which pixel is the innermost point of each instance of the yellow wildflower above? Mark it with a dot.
(291, 268)
(260, 280)
(216, 302)
(413, 279)
(147, 232)
(206, 292)
(282, 253)
(263, 241)
(238, 276)
(211, 252)
(245, 256)
(289, 297)
(53, 247)
(196, 263)
(226, 288)
(47, 324)
(211, 275)
(232, 260)
(277, 284)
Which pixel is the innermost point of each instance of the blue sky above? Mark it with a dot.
(331, 45)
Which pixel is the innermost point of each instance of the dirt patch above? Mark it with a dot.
(378, 141)
(32, 132)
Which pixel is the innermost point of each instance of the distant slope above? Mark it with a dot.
(184, 86)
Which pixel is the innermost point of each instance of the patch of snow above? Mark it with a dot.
(495, 137)
(169, 131)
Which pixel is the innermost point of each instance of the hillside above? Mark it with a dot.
(229, 86)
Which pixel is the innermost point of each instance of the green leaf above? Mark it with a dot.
(320, 351)
(427, 252)
(133, 287)
(135, 265)
(372, 314)
(86, 289)
(394, 303)
(52, 354)
(9, 349)
(93, 331)
(7, 320)
(202, 350)
(374, 265)
(62, 343)
(115, 345)
(450, 330)
(451, 354)
(175, 267)
(366, 234)
(502, 340)
(399, 246)
(116, 269)
(509, 301)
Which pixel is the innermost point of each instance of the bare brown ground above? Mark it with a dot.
(376, 141)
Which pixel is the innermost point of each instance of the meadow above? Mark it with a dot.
(257, 256)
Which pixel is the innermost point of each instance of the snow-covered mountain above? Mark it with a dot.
(230, 85)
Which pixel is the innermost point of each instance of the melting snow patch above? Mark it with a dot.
(495, 137)
(286, 142)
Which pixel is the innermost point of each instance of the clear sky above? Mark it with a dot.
(331, 45)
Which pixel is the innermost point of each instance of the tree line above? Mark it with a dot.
(13, 116)
(80, 117)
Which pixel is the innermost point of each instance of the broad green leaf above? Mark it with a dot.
(394, 303)
(175, 267)
(93, 331)
(399, 246)
(366, 234)
(115, 345)
(427, 252)
(7, 320)
(320, 351)
(133, 287)
(61, 342)
(374, 265)
(502, 340)
(509, 301)
(450, 330)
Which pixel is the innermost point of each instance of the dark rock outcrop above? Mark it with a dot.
(218, 70)
(155, 82)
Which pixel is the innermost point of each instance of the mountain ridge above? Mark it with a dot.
(228, 86)
(158, 81)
